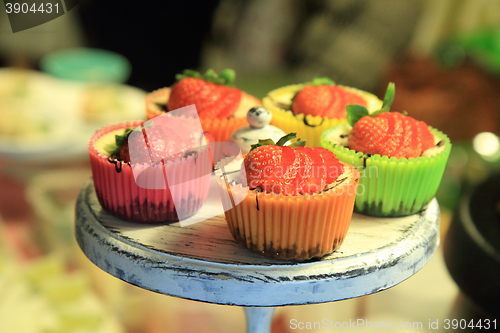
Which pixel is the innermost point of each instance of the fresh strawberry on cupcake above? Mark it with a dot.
(222, 108)
(401, 159)
(312, 107)
(296, 202)
(158, 171)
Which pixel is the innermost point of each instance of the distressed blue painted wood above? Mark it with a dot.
(202, 262)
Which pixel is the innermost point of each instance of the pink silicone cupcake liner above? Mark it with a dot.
(119, 194)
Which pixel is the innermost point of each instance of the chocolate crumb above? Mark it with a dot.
(282, 105)
(337, 183)
(162, 107)
(307, 124)
(365, 157)
(258, 189)
(118, 164)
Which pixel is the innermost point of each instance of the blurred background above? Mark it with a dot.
(92, 66)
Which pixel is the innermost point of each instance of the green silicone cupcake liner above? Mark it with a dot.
(390, 186)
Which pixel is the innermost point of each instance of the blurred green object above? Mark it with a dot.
(466, 168)
(87, 65)
(483, 46)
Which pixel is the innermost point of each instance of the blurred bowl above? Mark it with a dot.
(87, 65)
(472, 245)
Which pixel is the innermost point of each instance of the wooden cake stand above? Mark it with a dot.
(202, 262)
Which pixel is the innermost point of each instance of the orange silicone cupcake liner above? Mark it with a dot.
(154, 98)
(120, 196)
(293, 227)
(221, 129)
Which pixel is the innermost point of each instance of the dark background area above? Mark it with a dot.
(159, 38)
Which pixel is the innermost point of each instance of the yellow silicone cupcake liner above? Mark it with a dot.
(308, 128)
(221, 129)
(293, 227)
(395, 186)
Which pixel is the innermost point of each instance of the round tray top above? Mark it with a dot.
(202, 261)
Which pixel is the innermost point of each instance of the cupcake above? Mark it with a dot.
(401, 160)
(221, 108)
(139, 178)
(312, 107)
(291, 202)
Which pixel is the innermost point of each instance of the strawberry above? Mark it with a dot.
(210, 93)
(268, 166)
(331, 162)
(387, 133)
(325, 99)
(317, 178)
(290, 170)
(161, 140)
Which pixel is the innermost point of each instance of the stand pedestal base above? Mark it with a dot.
(259, 319)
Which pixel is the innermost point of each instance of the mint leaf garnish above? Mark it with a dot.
(113, 149)
(319, 81)
(281, 142)
(226, 77)
(261, 142)
(355, 112)
(389, 97)
(284, 139)
(298, 143)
